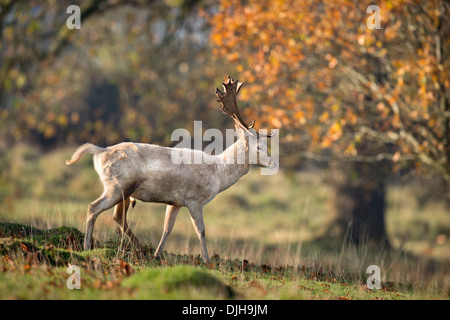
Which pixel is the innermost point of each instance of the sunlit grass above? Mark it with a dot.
(33, 266)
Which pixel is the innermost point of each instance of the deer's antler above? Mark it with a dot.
(229, 106)
(228, 102)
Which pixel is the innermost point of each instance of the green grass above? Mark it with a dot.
(33, 265)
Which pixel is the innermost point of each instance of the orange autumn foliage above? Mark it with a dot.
(340, 83)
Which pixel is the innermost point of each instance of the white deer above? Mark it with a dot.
(146, 172)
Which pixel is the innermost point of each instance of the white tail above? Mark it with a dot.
(82, 150)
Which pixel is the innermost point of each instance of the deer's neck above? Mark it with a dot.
(234, 163)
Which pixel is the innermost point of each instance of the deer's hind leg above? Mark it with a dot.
(113, 194)
(120, 216)
(107, 200)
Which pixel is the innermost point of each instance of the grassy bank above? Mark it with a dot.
(33, 265)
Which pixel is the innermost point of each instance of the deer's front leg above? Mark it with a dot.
(196, 213)
(171, 216)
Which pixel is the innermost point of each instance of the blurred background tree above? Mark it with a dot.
(135, 71)
(376, 100)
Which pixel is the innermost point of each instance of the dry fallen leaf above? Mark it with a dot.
(24, 247)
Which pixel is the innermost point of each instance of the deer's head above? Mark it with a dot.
(255, 145)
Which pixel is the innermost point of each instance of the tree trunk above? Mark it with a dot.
(359, 203)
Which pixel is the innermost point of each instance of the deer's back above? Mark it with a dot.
(155, 177)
